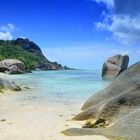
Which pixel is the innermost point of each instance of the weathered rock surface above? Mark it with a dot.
(115, 110)
(114, 66)
(12, 66)
(125, 128)
(6, 85)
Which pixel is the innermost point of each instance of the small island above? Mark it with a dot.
(27, 52)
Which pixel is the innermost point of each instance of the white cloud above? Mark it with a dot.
(5, 36)
(124, 23)
(9, 27)
(105, 25)
(6, 31)
(124, 28)
(109, 3)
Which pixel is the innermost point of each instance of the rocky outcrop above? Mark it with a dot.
(113, 112)
(30, 46)
(12, 66)
(114, 66)
(6, 85)
(43, 63)
(29, 53)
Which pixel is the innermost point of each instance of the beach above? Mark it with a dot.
(46, 108)
(70, 70)
(20, 121)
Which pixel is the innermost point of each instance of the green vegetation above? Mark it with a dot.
(14, 50)
(29, 53)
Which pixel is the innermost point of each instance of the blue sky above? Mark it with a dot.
(77, 33)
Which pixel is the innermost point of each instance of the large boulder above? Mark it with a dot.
(12, 66)
(113, 112)
(6, 85)
(114, 66)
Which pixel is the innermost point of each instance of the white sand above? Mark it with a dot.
(30, 121)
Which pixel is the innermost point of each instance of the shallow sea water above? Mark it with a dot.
(65, 87)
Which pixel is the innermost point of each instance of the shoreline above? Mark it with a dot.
(23, 117)
(22, 120)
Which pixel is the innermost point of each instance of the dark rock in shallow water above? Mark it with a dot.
(16, 72)
(6, 85)
(117, 107)
(26, 87)
(28, 71)
(3, 120)
(114, 66)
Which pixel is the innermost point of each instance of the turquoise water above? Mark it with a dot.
(69, 86)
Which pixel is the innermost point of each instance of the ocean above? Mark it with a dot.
(61, 87)
(47, 107)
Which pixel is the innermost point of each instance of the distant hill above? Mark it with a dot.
(27, 52)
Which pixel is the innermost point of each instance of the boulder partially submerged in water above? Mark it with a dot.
(12, 66)
(115, 110)
(114, 66)
(6, 85)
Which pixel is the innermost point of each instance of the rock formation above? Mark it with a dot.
(113, 112)
(12, 66)
(114, 66)
(6, 85)
(29, 53)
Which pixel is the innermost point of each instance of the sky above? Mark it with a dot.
(76, 33)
